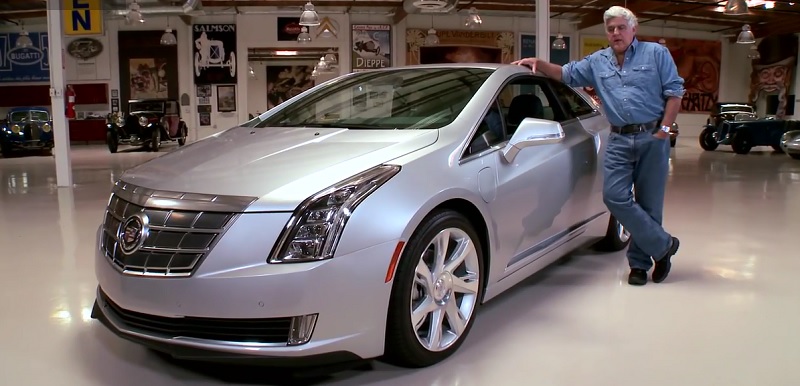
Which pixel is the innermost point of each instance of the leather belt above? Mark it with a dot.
(636, 127)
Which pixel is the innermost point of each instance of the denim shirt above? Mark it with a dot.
(635, 93)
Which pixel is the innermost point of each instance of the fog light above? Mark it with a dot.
(301, 329)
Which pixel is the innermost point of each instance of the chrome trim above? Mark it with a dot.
(163, 199)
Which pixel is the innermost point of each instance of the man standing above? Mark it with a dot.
(641, 92)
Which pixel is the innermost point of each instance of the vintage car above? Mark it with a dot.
(149, 122)
(26, 128)
(327, 229)
(674, 132)
(727, 111)
(746, 131)
(790, 143)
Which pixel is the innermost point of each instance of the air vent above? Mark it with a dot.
(430, 4)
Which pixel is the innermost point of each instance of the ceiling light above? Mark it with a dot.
(24, 41)
(309, 16)
(559, 43)
(746, 36)
(168, 38)
(134, 14)
(431, 39)
(736, 8)
(663, 42)
(754, 54)
(473, 20)
(330, 58)
(303, 37)
(286, 53)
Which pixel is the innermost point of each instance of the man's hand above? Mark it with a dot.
(661, 134)
(527, 62)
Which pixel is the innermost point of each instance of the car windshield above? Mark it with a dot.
(736, 109)
(396, 99)
(40, 116)
(156, 106)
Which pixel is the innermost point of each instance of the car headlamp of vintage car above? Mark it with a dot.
(47, 128)
(120, 120)
(143, 121)
(16, 129)
(314, 229)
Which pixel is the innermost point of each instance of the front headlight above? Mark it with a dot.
(120, 120)
(143, 121)
(16, 129)
(314, 229)
(46, 128)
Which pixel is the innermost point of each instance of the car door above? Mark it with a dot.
(538, 195)
(172, 117)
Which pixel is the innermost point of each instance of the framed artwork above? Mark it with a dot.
(284, 82)
(226, 98)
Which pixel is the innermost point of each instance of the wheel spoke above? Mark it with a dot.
(418, 315)
(456, 320)
(463, 249)
(435, 332)
(424, 276)
(466, 285)
(440, 244)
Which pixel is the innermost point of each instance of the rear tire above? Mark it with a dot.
(112, 140)
(617, 237)
(433, 301)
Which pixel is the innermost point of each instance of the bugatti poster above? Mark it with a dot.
(372, 46)
(214, 53)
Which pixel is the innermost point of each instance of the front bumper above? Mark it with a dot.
(348, 293)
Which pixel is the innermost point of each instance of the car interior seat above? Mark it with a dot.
(523, 106)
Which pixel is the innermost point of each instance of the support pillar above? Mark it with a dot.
(543, 30)
(55, 38)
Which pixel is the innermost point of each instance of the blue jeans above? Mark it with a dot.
(640, 160)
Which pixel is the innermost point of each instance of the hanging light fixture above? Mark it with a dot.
(473, 20)
(134, 14)
(304, 37)
(431, 39)
(746, 36)
(559, 43)
(309, 16)
(250, 72)
(168, 38)
(663, 41)
(330, 58)
(736, 8)
(24, 40)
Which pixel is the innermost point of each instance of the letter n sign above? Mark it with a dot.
(83, 17)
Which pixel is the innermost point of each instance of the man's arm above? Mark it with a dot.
(575, 74)
(671, 84)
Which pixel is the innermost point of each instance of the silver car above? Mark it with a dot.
(368, 217)
(790, 143)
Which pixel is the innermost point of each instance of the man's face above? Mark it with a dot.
(619, 34)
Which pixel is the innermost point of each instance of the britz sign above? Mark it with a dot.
(29, 64)
(83, 17)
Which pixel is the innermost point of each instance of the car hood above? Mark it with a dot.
(280, 166)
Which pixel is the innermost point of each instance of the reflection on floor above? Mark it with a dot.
(725, 316)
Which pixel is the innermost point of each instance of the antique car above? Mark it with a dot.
(674, 132)
(726, 111)
(29, 128)
(149, 122)
(746, 131)
(327, 230)
(790, 143)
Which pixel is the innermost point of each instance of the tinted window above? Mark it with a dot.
(397, 99)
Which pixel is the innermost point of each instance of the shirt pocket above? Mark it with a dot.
(610, 80)
(643, 74)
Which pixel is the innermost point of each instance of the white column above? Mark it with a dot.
(543, 30)
(55, 38)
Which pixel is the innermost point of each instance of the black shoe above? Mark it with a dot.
(663, 265)
(637, 277)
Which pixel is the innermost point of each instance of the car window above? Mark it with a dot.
(39, 115)
(18, 116)
(172, 108)
(574, 105)
(394, 99)
(491, 131)
(528, 97)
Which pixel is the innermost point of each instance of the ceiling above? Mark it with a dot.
(782, 18)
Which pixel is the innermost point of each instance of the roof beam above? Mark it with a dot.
(636, 6)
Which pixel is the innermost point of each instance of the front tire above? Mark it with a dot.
(707, 140)
(436, 291)
(617, 237)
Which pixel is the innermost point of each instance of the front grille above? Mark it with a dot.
(183, 228)
(271, 330)
(32, 132)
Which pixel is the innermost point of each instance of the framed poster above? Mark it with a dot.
(284, 82)
(214, 53)
(24, 64)
(226, 98)
(372, 46)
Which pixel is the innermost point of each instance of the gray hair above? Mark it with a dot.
(625, 13)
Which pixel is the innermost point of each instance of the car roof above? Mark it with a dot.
(15, 109)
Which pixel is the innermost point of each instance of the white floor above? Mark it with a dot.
(727, 314)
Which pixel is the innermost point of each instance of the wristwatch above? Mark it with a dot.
(665, 128)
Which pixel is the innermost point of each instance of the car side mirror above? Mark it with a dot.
(533, 132)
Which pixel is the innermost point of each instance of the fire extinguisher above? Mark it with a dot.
(70, 102)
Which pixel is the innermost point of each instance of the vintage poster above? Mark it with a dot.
(214, 53)
(148, 78)
(284, 82)
(24, 64)
(590, 44)
(460, 46)
(772, 74)
(372, 46)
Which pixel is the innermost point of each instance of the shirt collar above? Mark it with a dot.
(609, 52)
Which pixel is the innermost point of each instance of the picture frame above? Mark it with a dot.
(226, 98)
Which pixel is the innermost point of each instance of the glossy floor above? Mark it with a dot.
(727, 315)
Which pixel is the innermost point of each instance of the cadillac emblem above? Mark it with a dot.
(132, 233)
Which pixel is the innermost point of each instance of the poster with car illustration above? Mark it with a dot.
(372, 46)
(214, 53)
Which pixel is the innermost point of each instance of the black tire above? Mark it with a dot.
(404, 347)
(616, 239)
(673, 142)
(707, 141)
(741, 143)
(184, 132)
(155, 140)
(112, 140)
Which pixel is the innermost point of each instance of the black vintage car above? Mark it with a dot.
(737, 125)
(149, 122)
